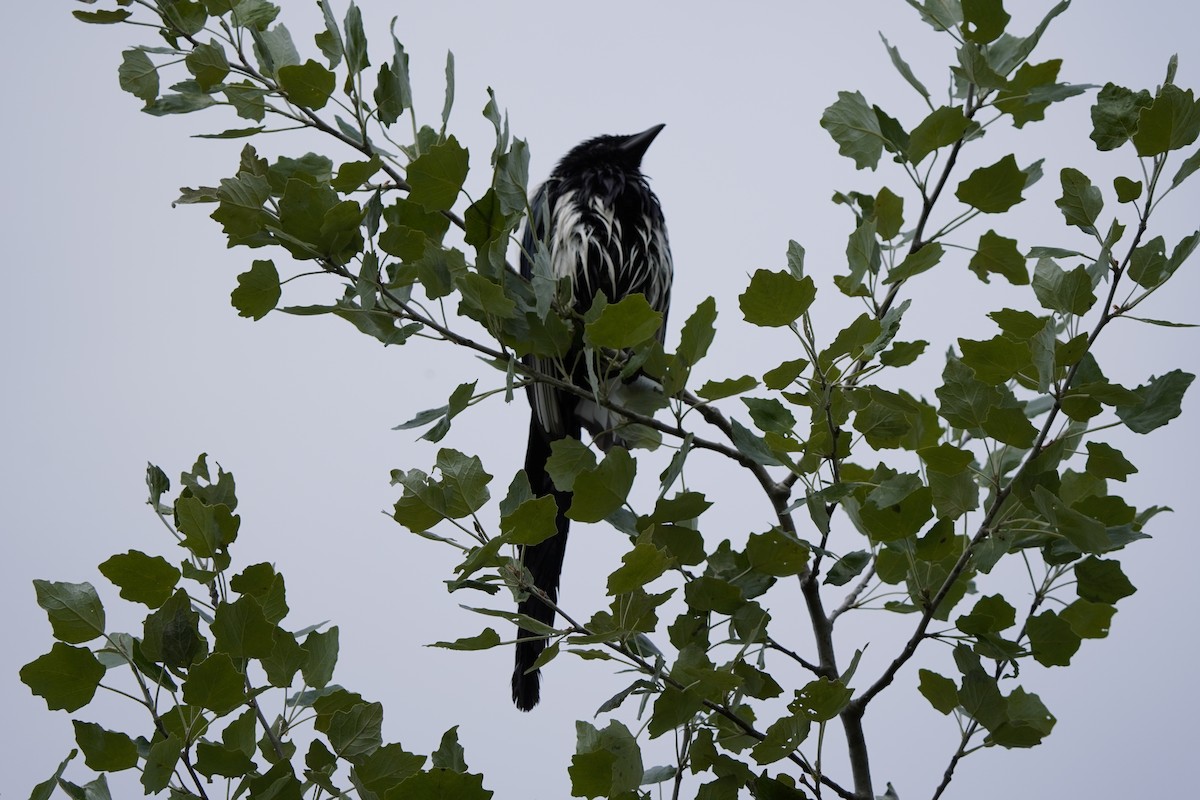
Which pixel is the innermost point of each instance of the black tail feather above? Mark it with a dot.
(544, 562)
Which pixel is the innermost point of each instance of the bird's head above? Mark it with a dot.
(608, 152)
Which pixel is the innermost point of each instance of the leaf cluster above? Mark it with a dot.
(897, 500)
(212, 649)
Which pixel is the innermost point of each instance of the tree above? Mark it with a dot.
(988, 392)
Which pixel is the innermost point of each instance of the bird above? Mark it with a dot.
(602, 227)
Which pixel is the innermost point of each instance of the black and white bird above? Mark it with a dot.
(602, 227)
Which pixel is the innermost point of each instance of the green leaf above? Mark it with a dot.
(897, 521)
(941, 15)
(65, 678)
(1081, 202)
(241, 629)
(386, 768)
(286, 659)
(777, 554)
(208, 64)
(330, 39)
(102, 17)
(216, 684)
(485, 220)
(1089, 620)
(889, 214)
(437, 176)
(941, 692)
(1129, 190)
(991, 614)
(257, 14)
(1148, 264)
(706, 594)
(821, 700)
(993, 189)
(924, 259)
(996, 360)
(160, 764)
(1028, 721)
(356, 41)
(752, 445)
(75, 612)
(568, 458)
(449, 101)
(855, 127)
(264, 584)
(464, 483)
(901, 354)
(978, 66)
(450, 754)
(606, 763)
(141, 578)
(1064, 292)
(171, 635)
(983, 20)
(1160, 402)
(45, 789)
(847, 568)
(953, 495)
(532, 522)
(862, 251)
(717, 390)
(795, 259)
(946, 458)
(356, 731)
(410, 229)
(895, 138)
(1031, 91)
(782, 738)
(309, 85)
(1171, 122)
(624, 324)
(698, 332)
(770, 415)
(1101, 581)
(274, 48)
(639, 566)
(258, 290)
(1051, 639)
(1189, 166)
(485, 640)
(322, 650)
(512, 178)
(775, 299)
(104, 750)
(599, 492)
(782, 376)
(944, 126)
(214, 759)
(904, 69)
(207, 529)
(1115, 115)
(1105, 461)
(1019, 325)
(391, 95)
(998, 254)
(683, 507)
(138, 75)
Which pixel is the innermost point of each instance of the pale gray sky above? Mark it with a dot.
(119, 346)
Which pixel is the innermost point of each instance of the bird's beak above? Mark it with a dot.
(636, 146)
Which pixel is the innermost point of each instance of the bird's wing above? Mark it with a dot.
(547, 402)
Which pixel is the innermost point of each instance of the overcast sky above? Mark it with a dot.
(120, 346)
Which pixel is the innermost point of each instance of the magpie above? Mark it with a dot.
(601, 227)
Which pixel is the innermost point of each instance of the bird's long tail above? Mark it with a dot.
(544, 561)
